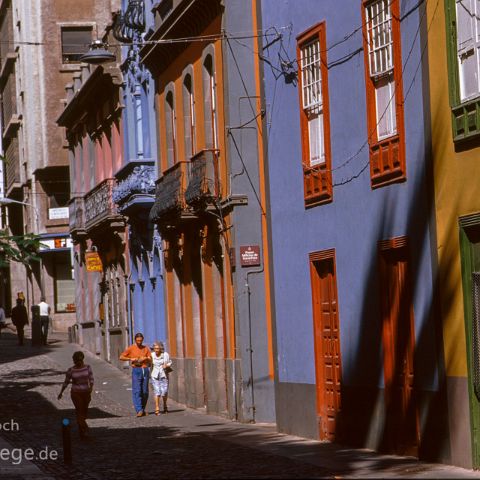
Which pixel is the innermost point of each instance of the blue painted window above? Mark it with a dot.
(138, 111)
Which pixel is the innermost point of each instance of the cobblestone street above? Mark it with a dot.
(182, 444)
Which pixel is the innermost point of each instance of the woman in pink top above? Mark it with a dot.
(81, 378)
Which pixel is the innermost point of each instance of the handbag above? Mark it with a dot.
(168, 369)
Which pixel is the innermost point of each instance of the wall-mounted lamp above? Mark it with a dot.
(98, 53)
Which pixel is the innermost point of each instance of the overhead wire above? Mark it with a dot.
(363, 168)
(238, 36)
(343, 59)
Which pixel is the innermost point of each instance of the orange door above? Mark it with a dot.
(401, 427)
(327, 344)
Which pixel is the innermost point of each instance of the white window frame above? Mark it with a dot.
(312, 101)
(378, 16)
(468, 47)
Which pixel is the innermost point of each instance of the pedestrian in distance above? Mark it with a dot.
(81, 378)
(161, 367)
(20, 319)
(140, 358)
(44, 318)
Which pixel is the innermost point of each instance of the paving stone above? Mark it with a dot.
(182, 444)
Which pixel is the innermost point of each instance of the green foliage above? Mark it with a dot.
(18, 248)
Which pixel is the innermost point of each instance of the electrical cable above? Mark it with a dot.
(343, 182)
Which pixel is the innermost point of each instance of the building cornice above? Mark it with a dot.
(91, 90)
(188, 18)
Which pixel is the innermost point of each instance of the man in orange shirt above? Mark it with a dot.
(140, 358)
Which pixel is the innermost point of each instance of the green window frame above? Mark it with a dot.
(465, 114)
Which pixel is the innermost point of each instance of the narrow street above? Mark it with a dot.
(182, 444)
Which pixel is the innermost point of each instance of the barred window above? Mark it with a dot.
(380, 42)
(314, 115)
(312, 99)
(380, 53)
(384, 89)
(311, 77)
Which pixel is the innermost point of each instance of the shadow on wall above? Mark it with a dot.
(364, 420)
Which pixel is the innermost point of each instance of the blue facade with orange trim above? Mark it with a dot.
(361, 225)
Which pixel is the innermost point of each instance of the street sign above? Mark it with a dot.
(93, 262)
(250, 256)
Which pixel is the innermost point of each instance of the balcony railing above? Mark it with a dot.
(76, 214)
(99, 205)
(170, 192)
(203, 178)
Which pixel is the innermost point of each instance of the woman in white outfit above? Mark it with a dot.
(160, 361)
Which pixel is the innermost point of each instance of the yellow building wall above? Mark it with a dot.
(456, 176)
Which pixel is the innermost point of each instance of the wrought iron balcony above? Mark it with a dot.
(100, 209)
(203, 179)
(135, 15)
(76, 214)
(138, 186)
(170, 192)
(132, 20)
(120, 30)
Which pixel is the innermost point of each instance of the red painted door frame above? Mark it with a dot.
(401, 432)
(328, 368)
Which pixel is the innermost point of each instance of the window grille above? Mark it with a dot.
(476, 332)
(311, 75)
(379, 35)
(312, 100)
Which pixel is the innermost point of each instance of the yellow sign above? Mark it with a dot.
(93, 262)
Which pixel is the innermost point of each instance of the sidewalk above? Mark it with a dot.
(183, 444)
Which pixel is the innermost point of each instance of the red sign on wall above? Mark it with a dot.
(250, 256)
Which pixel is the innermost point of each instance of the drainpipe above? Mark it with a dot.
(250, 346)
(106, 315)
(129, 308)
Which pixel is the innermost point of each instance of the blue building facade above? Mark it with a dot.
(135, 190)
(358, 356)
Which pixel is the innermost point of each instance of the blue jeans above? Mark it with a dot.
(140, 377)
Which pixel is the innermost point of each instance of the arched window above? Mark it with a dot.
(189, 116)
(137, 101)
(170, 129)
(210, 99)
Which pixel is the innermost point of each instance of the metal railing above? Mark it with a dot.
(203, 178)
(99, 204)
(170, 191)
